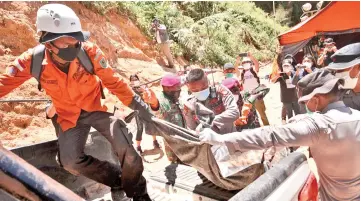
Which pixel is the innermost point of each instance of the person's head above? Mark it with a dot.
(228, 70)
(308, 61)
(134, 78)
(346, 65)
(61, 31)
(197, 83)
(171, 85)
(134, 82)
(187, 68)
(328, 44)
(246, 63)
(291, 58)
(155, 22)
(234, 86)
(318, 89)
(287, 66)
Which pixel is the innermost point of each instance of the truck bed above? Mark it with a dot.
(175, 182)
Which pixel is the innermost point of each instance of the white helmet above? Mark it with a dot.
(58, 20)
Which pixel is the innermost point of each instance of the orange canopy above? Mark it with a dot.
(338, 16)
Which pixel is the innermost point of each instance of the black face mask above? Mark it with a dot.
(174, 95)
(69, 53)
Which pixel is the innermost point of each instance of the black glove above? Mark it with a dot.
(143, 109)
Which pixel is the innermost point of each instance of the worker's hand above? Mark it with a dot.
(138, 104)
(150, 98)
(210, 137)
(288, 73)
(334, 48)
(297, 71)
(325, 50)
(241, 121)
(50, 110)
(309, 70)
(246, 109)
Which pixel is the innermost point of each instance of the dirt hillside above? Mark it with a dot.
(127, 49)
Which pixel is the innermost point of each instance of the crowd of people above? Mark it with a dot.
(290, 72)
(320, 106)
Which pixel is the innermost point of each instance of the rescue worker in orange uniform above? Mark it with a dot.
(76, 95)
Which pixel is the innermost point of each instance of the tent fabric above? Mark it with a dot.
(247, 166)
(338, 17)
(293, 49)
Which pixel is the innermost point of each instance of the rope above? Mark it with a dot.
(24, 100)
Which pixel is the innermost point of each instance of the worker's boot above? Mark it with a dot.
(156, 144)
(139, 150)
(142, 198)
(119, 195)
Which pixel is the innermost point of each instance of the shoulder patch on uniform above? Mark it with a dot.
(12, 71)
(98, 54)
(18, 65)
(103, 63)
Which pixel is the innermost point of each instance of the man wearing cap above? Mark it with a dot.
(229, 71)
(346, 65)
(328, 50)
(171, 107)
(331, 130)
(162, 38)
(250, 82)
(76, 96)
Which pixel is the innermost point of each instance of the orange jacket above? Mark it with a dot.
(70, 93)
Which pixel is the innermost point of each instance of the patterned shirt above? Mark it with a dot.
(170, 111)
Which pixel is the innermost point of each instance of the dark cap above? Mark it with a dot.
(228, 66)
(289, 56)
(81, 36)
(319, 82)
(345, 57)
(328, 41)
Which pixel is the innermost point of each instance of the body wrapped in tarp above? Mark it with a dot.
(214, 162)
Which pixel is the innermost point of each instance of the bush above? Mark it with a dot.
(209, 32)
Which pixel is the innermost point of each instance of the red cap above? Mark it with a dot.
(170, 80)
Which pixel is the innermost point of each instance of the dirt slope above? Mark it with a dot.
(127, 49)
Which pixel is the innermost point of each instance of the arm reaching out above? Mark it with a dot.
(255, 62)
(304, 132)
(16, 73)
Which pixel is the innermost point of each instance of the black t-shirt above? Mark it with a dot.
(288, 95)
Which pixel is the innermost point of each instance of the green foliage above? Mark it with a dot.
(293, 9)
(283, 15)
(208, 32)
(100, 7)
